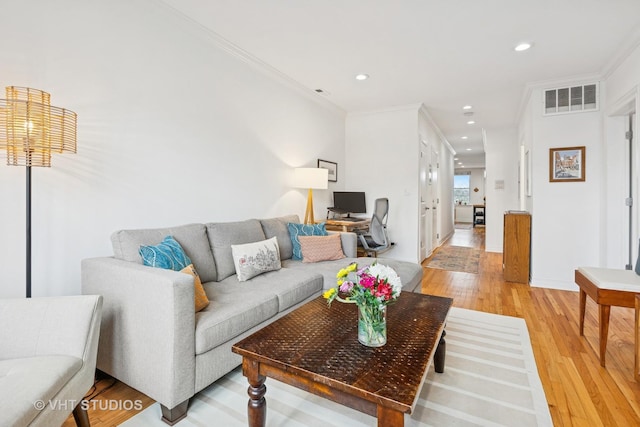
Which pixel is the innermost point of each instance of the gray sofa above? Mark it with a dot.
(152, 340)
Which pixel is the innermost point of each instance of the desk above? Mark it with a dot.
(339, 225)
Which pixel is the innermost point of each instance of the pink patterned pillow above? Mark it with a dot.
(321, 248)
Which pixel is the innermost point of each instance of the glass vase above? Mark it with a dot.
(372, 325)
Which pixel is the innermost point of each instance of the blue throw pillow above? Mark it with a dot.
(296, 230)
(168, 254)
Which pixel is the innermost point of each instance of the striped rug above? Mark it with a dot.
(490, 379)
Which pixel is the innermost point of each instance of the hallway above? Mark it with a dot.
(578, 390)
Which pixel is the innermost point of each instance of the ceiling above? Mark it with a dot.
(445, 54)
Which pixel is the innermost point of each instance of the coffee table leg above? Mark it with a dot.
(257, 405)
(438, 358)
(389, 417)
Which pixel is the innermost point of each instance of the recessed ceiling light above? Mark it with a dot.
(362, 76)
(468, 149)
(464, 137)
(522, 47)
(470, 122)
(455, 158)
(459, 163)
(467, 107)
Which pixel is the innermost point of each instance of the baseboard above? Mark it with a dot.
(554, 284)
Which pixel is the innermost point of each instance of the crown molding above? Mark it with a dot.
(628, 47)
(423, 109)
(395, 108)
(566, 81)
(249, 59)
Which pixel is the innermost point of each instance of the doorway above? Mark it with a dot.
(426, 214)
(623, 186)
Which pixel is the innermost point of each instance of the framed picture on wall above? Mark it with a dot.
(567, 164)
(332, 167)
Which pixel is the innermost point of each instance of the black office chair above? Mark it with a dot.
(376, 240)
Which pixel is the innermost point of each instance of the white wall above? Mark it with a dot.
(382, 157)
(501, 157)
(566, 216)
(172, 129)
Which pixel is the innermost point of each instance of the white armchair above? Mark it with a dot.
(48, 350)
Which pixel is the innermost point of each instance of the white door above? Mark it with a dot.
(434, 166)
(426, 247)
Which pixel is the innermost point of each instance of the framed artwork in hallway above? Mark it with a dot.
(567, 164)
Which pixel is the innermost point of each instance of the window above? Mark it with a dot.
(571, 99)
(461, 189)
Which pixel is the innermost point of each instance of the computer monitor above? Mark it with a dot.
(348, 202)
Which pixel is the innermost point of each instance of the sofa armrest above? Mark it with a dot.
(50, 325)
(349, 243)
(147, 338)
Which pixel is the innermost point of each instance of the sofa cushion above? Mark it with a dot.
(192, 238)
(410, 273)
(234, 308)
(321, 248)
(224, 234)
(277, 227)
(253, 259)
(297, 230)
(32, 379)
(167, 254)
(289, 286)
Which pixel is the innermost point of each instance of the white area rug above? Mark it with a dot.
(490, 379)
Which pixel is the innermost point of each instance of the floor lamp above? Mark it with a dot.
(311, 178)
(30, 130)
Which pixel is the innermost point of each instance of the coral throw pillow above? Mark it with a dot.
(200, 297)
(297, 230)
(321, 248)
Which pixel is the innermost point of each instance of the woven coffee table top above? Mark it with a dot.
(321, 343)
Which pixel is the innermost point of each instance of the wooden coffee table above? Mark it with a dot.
(315, 348)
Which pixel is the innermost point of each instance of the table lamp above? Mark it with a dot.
(311, 178)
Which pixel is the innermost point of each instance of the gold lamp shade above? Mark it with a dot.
(31, 128)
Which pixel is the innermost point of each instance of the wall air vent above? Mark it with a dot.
(574, 99)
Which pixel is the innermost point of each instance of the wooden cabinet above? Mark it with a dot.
(516, 251)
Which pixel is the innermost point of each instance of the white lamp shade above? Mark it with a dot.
(315, 178)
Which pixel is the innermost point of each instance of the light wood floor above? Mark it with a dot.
(579, 391)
